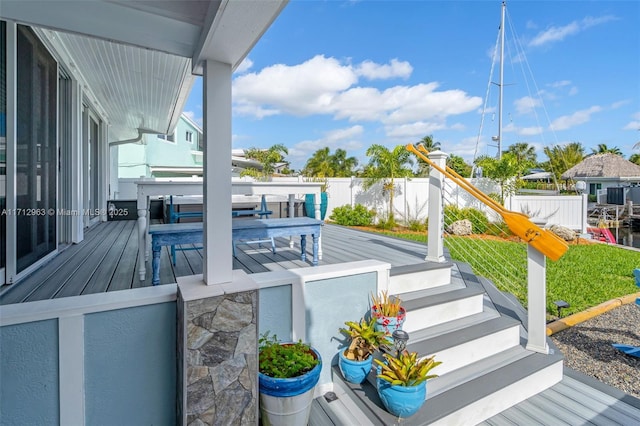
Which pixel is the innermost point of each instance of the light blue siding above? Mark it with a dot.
(29, 374)
(343, 299)
(275, 312)
(130, 366)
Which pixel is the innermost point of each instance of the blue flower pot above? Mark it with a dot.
(354, 371)
(402, 401)
(388, 324)
(310, 207)
(287, 402)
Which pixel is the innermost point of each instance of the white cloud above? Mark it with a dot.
(347, 139)
(530, 131)
(303, 89)
(193, 116)
(527, 104)
(373, 71)
(554, 33)
(619, 104)
(326, 86)
(412, 131)
(244, 66)
(635, 123)
(561, 83)
(573, 91)
(579, 117)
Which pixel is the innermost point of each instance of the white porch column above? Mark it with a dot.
(537, 301)
(435, 244)
(75, 174)
(217, 256)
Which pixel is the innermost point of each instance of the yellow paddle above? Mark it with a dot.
(544, 241)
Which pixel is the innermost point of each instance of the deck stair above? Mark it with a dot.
(479, 335)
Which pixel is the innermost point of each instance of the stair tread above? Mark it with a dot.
(466, 334)
(418, 267)
(520, 364)
(440, 298)
(427, 292)
(450, 326)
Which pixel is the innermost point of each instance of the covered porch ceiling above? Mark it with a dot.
(138, 59)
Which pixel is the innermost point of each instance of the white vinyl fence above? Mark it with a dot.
(411, 199)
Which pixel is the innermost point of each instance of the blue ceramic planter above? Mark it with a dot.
(311, 208)
(293, 386)
(287, 402)
(354, 371)
(402, 401)
(388, 324)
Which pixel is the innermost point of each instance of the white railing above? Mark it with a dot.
(536, 261)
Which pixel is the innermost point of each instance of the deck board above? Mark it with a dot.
(79, 279)
(107, 260)
(99, 281)
(125, 273)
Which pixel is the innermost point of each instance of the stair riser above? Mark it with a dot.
(438, 314)
(475, 350)
(506, 397)
(421, 280)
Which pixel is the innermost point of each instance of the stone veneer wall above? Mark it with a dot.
(218, 367)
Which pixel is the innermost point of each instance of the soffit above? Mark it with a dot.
(138, 57)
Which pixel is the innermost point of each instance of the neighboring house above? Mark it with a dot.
(161, 155)
(601, 171)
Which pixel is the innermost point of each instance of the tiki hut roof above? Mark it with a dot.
(609, 166)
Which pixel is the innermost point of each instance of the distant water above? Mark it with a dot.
(626, 236)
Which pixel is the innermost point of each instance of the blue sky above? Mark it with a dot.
(347, 74)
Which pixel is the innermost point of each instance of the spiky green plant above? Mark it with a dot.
(406, 369)
(365, 340)
(388, 306)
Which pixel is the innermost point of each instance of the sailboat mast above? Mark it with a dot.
(500, 85)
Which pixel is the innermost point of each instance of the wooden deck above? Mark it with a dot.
(107, 260)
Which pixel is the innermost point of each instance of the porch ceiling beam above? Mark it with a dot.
(107, 20)
(232, 29)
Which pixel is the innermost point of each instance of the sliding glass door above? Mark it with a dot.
(36, 150)
(3, 150)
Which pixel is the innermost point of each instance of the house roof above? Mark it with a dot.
(606, 166)
(538, 176)
(136, 58)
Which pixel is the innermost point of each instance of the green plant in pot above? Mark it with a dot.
(388, 312)
(356, 360)
(288, 374)
(402, 381)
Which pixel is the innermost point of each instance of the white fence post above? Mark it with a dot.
(435, 243)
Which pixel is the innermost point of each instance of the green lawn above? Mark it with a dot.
(585, 276)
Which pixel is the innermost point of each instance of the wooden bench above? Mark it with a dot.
(249, 229)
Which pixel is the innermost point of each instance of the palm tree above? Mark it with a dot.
(320, 164)
(562, 158)
(384, 166)
(267, 157)
(430, 145)
(505, 171)
(604, 149)
(523, 152)
(324, 164)
(635, 158)
(342, 164)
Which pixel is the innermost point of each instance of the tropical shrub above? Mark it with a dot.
(365, 340)
(284, 360)
(357, 215)
(406, 369)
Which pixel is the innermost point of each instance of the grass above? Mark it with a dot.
(585, 276)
